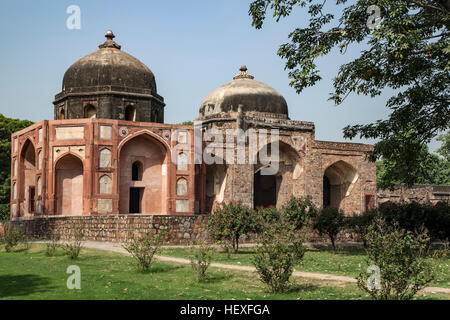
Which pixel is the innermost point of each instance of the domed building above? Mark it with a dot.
(110, 84)
(109, 158)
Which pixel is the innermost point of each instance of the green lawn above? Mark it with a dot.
(347, 262)
(107, 275)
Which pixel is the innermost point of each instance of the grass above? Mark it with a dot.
(107, 275)
(347, 262)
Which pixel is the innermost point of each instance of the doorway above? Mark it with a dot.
(265, 190)
(135, 200)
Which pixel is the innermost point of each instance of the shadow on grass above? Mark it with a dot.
(301, 288)
(346, 250)
(157, 268)
(23, 285)
(212, 278)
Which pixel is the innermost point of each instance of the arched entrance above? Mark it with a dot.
(338, 183)
(216, 181)
(275, 189)
(90, 111)
(130, 113)
(69, 186)
(265, 190)
(143, 176)
(28, 179)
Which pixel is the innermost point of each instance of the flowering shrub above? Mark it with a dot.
(299, 211)
(400, 257)
(279, 249)
(230, 221)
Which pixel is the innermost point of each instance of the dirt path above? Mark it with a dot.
(115, 247)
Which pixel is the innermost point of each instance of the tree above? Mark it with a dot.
(299, 211)
(230, 221)
(329, 221)
(407, 50)
(7, 127)
(431, 169)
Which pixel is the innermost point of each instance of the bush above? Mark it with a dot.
(413, 216)
(278, 250)
(144, 247)
(13, 237)
(361, 223)
(230, 221)
(4, 212)
(52, 244)
(73, 247)
(299, 211)
(329, 221)
(201, 259)
(400, 257)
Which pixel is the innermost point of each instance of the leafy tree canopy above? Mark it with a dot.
(431, 169)
(7, 127)
(444, 150)
(408, 51)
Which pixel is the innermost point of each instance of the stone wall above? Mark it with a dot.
(418, 193)
(181, 230)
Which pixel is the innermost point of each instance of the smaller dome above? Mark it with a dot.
(248, 94)
(109, 66)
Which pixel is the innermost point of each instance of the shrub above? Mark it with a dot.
(73, 247)
(278, 250)
(299, 211)
(329, 221)
(412, 216)
(268, 215)
(400, 257)
(361, 223)
(230, 221)
(13, 237)
(52, 244)
(201, 259)
(144, 247)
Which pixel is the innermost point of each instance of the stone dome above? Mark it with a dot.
(109, 67)
(246, 93)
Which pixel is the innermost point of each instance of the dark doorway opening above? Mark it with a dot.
(326, 192)
(135, 200)
(265, 190)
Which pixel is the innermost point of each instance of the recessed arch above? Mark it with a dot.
(90, 111)
(150, 194)
(27, 178)
(69, 185)
(130, 113)
(339, 180)
(182, 187)
(274, 183)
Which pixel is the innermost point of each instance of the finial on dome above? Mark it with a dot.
(243, 74)
(109, 43)
(109, 35)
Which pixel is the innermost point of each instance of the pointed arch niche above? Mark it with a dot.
(143, 181)
(69, 185)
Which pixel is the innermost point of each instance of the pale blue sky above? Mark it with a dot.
(192, 47)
